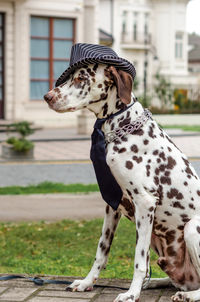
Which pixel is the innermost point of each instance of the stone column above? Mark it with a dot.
(86, 119)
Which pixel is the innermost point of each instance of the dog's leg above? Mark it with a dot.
(144, 216)
(192, 240)
(111, 220)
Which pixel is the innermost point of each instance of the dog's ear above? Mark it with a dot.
(123, 82)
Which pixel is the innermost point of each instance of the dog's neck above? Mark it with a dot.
(111, 105)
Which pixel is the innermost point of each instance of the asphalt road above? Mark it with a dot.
(68, 173)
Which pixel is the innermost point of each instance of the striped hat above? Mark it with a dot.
(84, 54)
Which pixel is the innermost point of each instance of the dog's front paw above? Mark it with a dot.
(181, 297)
(80, 286)
(126, 297)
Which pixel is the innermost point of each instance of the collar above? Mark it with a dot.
(99, 122)
(128, 128)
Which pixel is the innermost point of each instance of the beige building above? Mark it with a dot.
(36, 37)
(151, 34)
(35, 41)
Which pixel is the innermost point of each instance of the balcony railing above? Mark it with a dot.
(136, 38)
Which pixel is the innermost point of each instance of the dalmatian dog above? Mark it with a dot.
(161, 191)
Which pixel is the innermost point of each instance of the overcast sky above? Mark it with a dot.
(193, 16)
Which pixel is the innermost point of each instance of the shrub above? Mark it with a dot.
(21, 144)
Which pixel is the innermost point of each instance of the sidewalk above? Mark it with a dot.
(20, 290)
(65, 144)
(51, 207)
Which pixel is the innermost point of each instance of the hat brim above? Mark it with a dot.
(120, 63)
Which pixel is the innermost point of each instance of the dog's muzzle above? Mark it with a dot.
(49, 97)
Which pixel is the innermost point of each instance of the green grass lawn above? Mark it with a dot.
(48, 188)
(66, 248)
(195, 128)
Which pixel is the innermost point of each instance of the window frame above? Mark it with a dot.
(2, 85)
(51, 40)
(179, 40)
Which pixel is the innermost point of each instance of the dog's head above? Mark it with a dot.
(90, 85)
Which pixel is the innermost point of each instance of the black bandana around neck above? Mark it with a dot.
(109, 188)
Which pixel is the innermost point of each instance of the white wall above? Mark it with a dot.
(18, 105)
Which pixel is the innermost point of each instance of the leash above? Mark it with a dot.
(40, 281)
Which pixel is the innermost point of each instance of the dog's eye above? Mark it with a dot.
(81, 78)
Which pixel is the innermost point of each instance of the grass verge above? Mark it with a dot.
(67, 248)
(195, 128)
(48, 188)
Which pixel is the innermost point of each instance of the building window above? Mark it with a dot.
(51, 42)
(146, 24)
(1, 65)
(124, 19)
(179, 46)
(135, 26)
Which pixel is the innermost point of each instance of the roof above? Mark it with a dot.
(194, 39)
(105, 38)
(194, 54)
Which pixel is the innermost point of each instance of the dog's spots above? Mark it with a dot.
(146, 141)
(156, 180)
(171, 252)
(170, 236)
(100, 86)
(107, 209)
(134, 148)
(105, 109)
(128, 206)
(107, 233)
(151, 132)
(148, 167)
(124, 122)
(122, 150)
(198, 229)
(138, 224)
(139, 132)
(103, 96)
(165, 180)
(116, 216)
(129, 193)
(137, 159)
(102, 246)
(142, 253)
(171, 163)
(155, 152)
(96, 65)
(168, 213)
(191, 206)
(174, 193)
(177, 204)
(136, 191)
(184, 217)
(198, 192)
(129, 164)
(116, 149)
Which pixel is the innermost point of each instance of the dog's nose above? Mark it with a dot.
(48, 97)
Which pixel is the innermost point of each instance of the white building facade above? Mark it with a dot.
(36, 37)
(35, 42)
(152, 35)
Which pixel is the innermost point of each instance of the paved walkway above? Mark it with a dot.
(65, 144)
(51, 207)
(58, 207)
(20, 290)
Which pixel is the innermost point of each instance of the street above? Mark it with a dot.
(64, 172)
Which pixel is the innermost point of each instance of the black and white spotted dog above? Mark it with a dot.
(161, 191)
